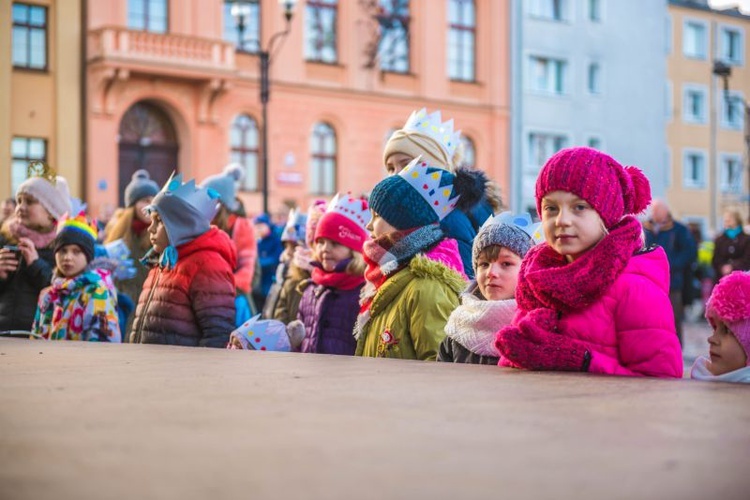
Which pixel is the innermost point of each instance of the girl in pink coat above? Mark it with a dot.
(592, 298)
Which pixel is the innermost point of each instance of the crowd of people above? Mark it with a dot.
(427, 267)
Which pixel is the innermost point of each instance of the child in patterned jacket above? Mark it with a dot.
(81, 303)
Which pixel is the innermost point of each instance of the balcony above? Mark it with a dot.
(162, 54)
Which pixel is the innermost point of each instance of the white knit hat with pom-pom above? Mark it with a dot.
(225, 184)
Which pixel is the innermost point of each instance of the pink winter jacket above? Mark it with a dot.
(630, 329)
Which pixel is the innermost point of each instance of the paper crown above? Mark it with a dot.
(79, 224)
(433, 126)
(355, 209)
(433, 184)
(204, 200)
(521, 221)
(294, 230)
(263, 335)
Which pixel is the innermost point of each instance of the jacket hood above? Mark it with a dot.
(493, 196)
(422, 266)
(214, 240)
(653, 265)
(446, 252)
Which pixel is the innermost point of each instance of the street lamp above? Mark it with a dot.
(240, 10)
(724, 71)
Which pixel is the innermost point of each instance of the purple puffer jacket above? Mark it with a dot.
(328, 315)
(630, 329)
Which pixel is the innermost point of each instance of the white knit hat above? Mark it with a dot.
(51, 191)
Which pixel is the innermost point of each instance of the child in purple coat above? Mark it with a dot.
(330, 299)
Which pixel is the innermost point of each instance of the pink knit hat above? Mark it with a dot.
(345, 222)
(730, 302)
(612, 190)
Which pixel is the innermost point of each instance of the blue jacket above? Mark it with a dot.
(269, 252)
(680, 247)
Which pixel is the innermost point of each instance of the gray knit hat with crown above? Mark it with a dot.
(517, 233)
(141, 186)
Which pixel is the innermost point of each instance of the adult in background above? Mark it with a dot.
(269, 253)
(731, 247)
(427, 136)
(131, 225)
(675, 238)
(7, 209)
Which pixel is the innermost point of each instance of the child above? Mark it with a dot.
(81, 304)
(188, 296)
(426, 135)
(728, 311)
(240, 230)
(330, 300)
(414, 272)
(292, 236)
(27, 258)
(489, 302)
(591, 298)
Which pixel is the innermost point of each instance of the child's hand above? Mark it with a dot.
(8, 262)
(28, 250)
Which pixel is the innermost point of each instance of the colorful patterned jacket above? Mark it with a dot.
(79, 308)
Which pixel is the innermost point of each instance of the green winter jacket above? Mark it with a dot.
(409, 312)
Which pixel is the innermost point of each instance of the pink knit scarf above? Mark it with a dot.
(40, 240)
(547, 279)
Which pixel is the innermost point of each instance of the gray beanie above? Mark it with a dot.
(141, 186)
(517, 233)
(225, 184)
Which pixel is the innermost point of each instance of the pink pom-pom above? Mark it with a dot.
(641, 197)
(730, 299)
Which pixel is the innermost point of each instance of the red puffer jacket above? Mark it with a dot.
(191, 304)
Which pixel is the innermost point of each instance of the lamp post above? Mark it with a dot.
(240, 10)
(724, 71)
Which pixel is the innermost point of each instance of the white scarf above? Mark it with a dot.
(475, 322)
(700, 371)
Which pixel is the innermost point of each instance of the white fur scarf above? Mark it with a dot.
(475, 322)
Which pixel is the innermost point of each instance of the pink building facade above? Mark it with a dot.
(167, 90)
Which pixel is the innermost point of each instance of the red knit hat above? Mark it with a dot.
(612, 190)
(345, 222)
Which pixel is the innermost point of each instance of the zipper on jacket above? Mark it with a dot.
(139, 330)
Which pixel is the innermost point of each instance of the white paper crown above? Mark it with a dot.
(426, 180)
(522, 221)
(432, 126)
(263, 335)
(355, 209)
(205, 200)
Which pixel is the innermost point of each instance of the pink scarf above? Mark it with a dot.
(337, 280)
(547, 279)
(40, 240)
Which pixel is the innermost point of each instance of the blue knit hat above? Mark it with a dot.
(141, 186)
(225, 184)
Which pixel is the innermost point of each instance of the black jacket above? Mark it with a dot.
(453, 352)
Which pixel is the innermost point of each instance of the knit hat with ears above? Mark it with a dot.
(422, 194)
(314, 212)
(49, 189)
(345, 222)
(141, 186)
(612, 190)
(730, 302)
(225, 184)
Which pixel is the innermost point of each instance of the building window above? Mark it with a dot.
(668, 37)
(393, 47)
(732, 111)
(694, 105)
(461, 39)
(29, 36)
(148, 15)
(594, 78)
(731, 45)
(24, 150)
(320, 31)
(694, 169)
(731, 174)
(242, 25)
(470, 152)
(323, 159)
(552, 10)
(244, 149)
(543, 145)
(667, 167)
(594, 142)
(668, 105)
(595, 10)
(694, 39)
(547, 75)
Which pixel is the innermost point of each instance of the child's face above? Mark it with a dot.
(157, 233)
(571, 226)
(70, 260)
(262, 230)
(331, 253)
(378, 226)
(31, 213)
(726, 351)
(397, 162)
(497, 279)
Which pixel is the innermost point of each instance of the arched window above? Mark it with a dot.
(323, 159)
(470, 152)
(244, 149)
